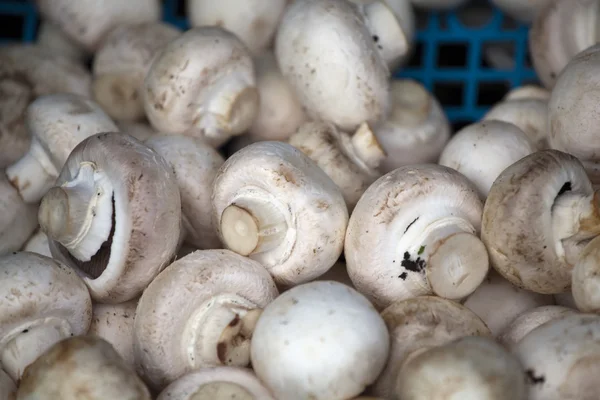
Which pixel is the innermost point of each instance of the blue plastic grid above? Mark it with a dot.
(459, 88)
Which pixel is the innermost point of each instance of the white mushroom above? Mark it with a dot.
(498, 302)
(319, 340)
(202, 84)
(114, 323)
(416, 130)
(53, 38)
(420, 323)
(280, 112)
(199, 312)
(253, 21)
(586, 280)
(335, 53)
(18, 219)
(522, 11)
(38, 242)
(8, 388)
(562, 358)
(468, 368)
(415, 232)
(195, 165)
(121, 64)
(83, 367)
(274, 205)
(114, 215)
(87, 22)
(539, 214)
(57, 124)
(42, 303)
(351, 161)
(483, 150)
(139, 130)
(217, 383)
(528, 321)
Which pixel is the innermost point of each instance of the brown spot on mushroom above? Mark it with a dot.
(532, 379)
(286, 174)
(258, 26)
(221, 352)
(236, 320)
(322, 205)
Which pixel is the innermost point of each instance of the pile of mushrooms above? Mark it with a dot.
(254, 209)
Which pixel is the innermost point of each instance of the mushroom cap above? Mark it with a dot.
(176, 294)
(14, 137)
(512, 334)
(533, 92)
(320, 340)
(38, 242)
(189, 386)
(498, 302)
(122, 62)
(8, 388)
(195, 165)
(469, 367)
(253, 21)
(147, 216)
(114, 323)
(385, 212)
(416, 130)
(574, 98)
(53, 38)
(315, 211)
(481, 151)
(39, 288)
(420, 323)
(517, 224)
(139, 130)
(87, 22)
(327, 54)
(561, 358)
(584, 278)
(81, 367)
(18, 219)
(522, 11)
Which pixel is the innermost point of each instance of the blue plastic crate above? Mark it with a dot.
(448, 57)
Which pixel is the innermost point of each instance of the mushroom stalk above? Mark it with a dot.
(387, 33)
(78, 214)
(365, 146)
(29, 342)
(220, 331)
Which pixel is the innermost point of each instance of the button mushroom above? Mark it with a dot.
(52, 38)
(82, 367)
(522, 11)
(561, 358)
(121, 64)
(319, 340)
(586, 280)
(539, 214)
(468, 368)
(416, 130)
(213, 97)
(195, 165)
(42, 303)
(57, 123)
(415, 232)
(114, 215)
(483, 150)
(274, 205)
(217, 383)
(18, 219)
(139, 130)
(335, 53)
(38, 242)
(199, 312)
(351, 161)
(420, 323)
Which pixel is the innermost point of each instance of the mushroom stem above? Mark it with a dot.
(220, 331)
(78, 214)
(367, 147)
(29, 342)
(33, 174)
(389, 37)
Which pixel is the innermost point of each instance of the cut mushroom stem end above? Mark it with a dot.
(79, 213)
(414, 102)
(118, 94)
(29, 176)
(367, 147)
(389, 37)
(220, 332)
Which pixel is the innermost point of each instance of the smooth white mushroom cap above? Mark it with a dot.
(87, 22)
(468, 368)
(498, 302)
(326, 52)
(53, 38)
(320, 340)
(512, 334)
(38, 242)
(121, 64)
(217, 383)
(418, 324)
(171, 335)
(202, 84)
(253, 21)
(275, 205)
(416, 130)
(139, 130)
(437, 4)
(81, 367)
(523, 11)
(483, 150)
(7, 386)
(561, 358)
(18, 220)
